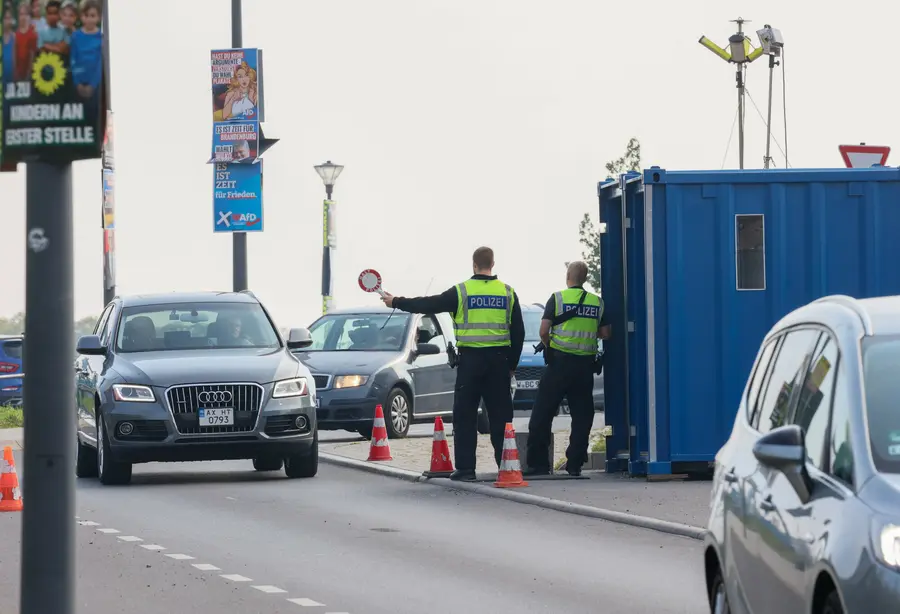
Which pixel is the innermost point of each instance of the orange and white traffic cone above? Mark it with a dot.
(379, 450)
(510, 475)
(441, 465)
(10, 494)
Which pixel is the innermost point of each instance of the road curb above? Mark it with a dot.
(644, 522)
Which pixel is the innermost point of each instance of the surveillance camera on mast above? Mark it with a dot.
(771, 40)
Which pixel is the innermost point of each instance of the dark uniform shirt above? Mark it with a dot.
(448, 301)
(550, 309)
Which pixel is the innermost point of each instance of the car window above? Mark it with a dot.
(187, 326)
(881, 366)
(532, 320)
(101, 321)
(12, 349)
(360, 332)
(814, 399)
(841, 446)
(789, 368)
(759, 376)
(108, 326)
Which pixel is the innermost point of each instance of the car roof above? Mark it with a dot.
(141, 300)
(532, 307)
(362, 311)
(877, 316)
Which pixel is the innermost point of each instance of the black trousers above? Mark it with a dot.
(482, 373)
(572, 377)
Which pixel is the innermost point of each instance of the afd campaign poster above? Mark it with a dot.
(237, 104)
(237, 197)
(53, 96)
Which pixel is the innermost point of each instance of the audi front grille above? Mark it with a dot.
(244, 399)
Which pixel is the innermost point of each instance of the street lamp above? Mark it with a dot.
(739, 52)
(329, 173)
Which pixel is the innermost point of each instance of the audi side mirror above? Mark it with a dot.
(90, 345)
(299, 338)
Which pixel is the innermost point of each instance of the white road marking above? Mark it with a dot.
(153, 547)
(307, 603)
(270, 589)
(130, 538)
(236, 577)
(108, 531)
(180, 557)
(88, 523)
(205, 567)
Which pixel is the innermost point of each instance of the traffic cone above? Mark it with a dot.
(379, 450)
(10, 495)
(441, 465)
(510, 475)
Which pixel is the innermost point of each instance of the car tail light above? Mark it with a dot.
(8, 367)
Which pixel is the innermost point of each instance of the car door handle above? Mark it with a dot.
(730, 477)
(767, 505)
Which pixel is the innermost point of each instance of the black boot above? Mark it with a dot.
(463, 475)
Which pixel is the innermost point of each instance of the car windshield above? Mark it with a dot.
(358, 332)
(189, 326)
(532, 320)
(881, 363)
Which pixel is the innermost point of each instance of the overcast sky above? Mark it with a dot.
(459, 123)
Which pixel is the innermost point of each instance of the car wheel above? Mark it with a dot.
(399, 413)
(268, 464)
(304, 465)
(484, 423)
(109, 471)
(718, 598)
(85, 461)
(832, 604)
(365, 432)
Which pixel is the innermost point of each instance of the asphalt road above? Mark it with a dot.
(350, 542)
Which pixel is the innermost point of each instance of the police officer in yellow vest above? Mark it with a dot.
(487, 319)
(570, 351)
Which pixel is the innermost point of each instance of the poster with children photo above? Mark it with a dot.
(53, 54)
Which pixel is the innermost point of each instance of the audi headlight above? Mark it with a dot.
(133, 393)
(886, 543)
(350, 381)
(295, 387)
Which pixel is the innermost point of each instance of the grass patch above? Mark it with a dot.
(598, 439)
(10, 418)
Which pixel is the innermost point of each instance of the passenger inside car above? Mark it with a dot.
(140, 335)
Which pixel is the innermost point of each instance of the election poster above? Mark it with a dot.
(237, 197)
(53, 85)
(108, 174)
(237, 104)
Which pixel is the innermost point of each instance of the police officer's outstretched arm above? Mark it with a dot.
(446, 302)
(516, 334)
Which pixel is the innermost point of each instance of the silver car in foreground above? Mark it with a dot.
(805, 509)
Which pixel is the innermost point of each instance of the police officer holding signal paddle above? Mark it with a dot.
(572, 323)
(487, 319)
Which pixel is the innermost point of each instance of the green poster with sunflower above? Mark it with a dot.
(53, 81)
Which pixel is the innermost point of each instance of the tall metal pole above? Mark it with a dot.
(768, 158)
(239, 239)
(740, 88)
(48, 521)
(327, 284)
(109, 277)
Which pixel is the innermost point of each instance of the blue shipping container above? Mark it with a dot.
(721, 256)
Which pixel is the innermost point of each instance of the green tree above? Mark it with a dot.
(588, 233)
(15, 325)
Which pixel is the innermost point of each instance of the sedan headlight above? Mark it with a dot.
(886, 543)
(133, 393)
(350, 381)
(295, 387)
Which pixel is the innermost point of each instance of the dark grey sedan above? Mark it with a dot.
(192, 377)
(805, 510)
